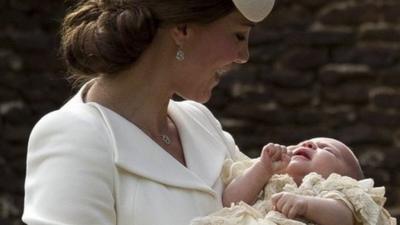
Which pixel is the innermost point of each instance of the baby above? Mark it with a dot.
(321, 155)
(322, 197)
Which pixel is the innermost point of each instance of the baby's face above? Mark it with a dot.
(320, 155)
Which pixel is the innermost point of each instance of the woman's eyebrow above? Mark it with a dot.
(248, 23)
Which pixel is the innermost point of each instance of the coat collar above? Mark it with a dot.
(137, 153)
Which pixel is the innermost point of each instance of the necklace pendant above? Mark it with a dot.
(166, 139)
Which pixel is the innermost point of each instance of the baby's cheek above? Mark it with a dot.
(326, 170)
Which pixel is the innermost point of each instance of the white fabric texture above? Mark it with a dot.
(365, 201)
(87, 165)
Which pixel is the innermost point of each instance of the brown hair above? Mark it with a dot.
(107, 36)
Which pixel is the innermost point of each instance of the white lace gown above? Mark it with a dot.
(365, 201)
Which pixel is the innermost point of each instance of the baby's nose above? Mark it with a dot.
(310, 144)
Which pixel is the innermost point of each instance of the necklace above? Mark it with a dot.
(163, 137)
(166, 139)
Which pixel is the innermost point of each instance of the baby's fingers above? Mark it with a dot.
(275, 152)
(283, 149)
(268, 148)
(275, 198)
(292, 212)
(266, 151)
(281, 204)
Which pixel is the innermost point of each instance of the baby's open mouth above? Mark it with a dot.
(302, 152)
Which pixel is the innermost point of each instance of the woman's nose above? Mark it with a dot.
(243, 55)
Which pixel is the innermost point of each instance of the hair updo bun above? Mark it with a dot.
(105, 38)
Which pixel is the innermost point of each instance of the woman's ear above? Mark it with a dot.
(179, 34)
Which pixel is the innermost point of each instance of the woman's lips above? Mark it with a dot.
(222, 71)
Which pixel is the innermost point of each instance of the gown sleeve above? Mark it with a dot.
(364, 200)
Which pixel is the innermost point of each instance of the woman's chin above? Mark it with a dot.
(204, 98)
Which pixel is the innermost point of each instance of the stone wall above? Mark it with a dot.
(322, 68)
(317, 68)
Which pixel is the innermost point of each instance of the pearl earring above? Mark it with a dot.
(180, 55)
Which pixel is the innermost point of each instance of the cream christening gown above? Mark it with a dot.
(365, 201)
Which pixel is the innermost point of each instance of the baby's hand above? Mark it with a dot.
(274, 157)
(289, 204)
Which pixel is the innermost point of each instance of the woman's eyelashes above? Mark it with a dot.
(240, 37)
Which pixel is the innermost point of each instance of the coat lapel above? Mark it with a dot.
(137, 153)
(204, 150)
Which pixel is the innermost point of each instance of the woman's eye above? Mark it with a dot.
(240, 37)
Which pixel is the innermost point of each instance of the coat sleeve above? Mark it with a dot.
(70, 172)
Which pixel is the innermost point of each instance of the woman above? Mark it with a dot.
(121, 151)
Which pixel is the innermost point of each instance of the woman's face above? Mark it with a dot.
(211, 50)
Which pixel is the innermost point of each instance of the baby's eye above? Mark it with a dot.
(329, 150)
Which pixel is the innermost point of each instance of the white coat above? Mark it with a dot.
(87, 165)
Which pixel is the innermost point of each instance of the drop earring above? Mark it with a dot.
(180, 55)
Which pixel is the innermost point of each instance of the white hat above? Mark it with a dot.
(254, 10)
